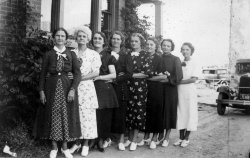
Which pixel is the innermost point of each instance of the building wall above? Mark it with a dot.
(239, 32)
(8, 7)
(119, 19)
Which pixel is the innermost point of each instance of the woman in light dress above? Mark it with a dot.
(90, 64)
(187, 111)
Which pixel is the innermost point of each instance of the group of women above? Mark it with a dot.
(89, 94)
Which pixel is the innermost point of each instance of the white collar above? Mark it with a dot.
(115, 54)
(59, 51)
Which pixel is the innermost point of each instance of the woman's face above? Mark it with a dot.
(166, 47)
(135, 42)
(60, 37)
(186, 51)
(151, 46)
(98, 41)
(82, 38)
(116, 41)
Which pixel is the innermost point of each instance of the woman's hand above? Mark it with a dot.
(71, 95)
(42, 97)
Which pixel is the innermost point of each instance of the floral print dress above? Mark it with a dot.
(88, 102)
(136, 111)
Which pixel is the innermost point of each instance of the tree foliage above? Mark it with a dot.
(132, 21)
(20, 66)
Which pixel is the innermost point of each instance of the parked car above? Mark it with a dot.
(214, 74)
(237, 93)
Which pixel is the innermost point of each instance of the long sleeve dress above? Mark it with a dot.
(172, 64)
(187, 110)
(154, 123)
(124, 71)
(106, 96)
(136, 111)
(88, 103)
(58, 119)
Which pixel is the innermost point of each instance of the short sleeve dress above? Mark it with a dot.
(187, 116)
(106, 96)
(88, 103)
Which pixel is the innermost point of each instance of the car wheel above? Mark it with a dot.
(221, 108)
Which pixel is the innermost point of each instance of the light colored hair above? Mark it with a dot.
(85, 30)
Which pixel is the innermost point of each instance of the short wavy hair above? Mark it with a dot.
(85, 30)
(60, 29)
(142, 39)
(155, 41)
(122, 38)
(189, 45)
(105, 42)
(171, 41)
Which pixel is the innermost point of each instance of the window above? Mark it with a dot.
(46, 15)
(106, 20)
(76, 13)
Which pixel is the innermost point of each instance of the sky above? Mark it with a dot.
(204, 23)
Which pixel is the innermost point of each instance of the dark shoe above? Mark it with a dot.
(100, 147)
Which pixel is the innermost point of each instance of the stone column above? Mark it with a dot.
(55, 14)
(96, 11)
(158, 18)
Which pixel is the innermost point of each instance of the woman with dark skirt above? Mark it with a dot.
(124, 70)
(154, 123)
(171, 67)
(58, 119)
(106, 95)
(136, 111)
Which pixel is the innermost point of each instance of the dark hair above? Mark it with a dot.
(122, 38)
(103, 36)
(142, 39)
(60, 29)
(155, 41)
(169, 40)
(189, 45)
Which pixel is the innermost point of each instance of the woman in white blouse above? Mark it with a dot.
(90, 64)
(187, 111)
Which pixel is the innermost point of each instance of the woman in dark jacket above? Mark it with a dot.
(58, 119)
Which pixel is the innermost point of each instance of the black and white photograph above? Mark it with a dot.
(124, 78)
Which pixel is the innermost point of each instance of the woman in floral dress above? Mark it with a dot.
(136, 111)
(58, 119)
(88, 103)
(154, 123)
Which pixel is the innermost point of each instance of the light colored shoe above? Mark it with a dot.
(66, 153)
(184, 143)
(85, 151)
(6, 150)
(152, 145)
(53, 153)
(121, 146)
(133, 146)
(141, 143)
(127, 143)
(107, 143)
(178, 142)
(74, 148)
(165, 143)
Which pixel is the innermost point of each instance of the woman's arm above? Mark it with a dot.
(139, 75)
(110, 76)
